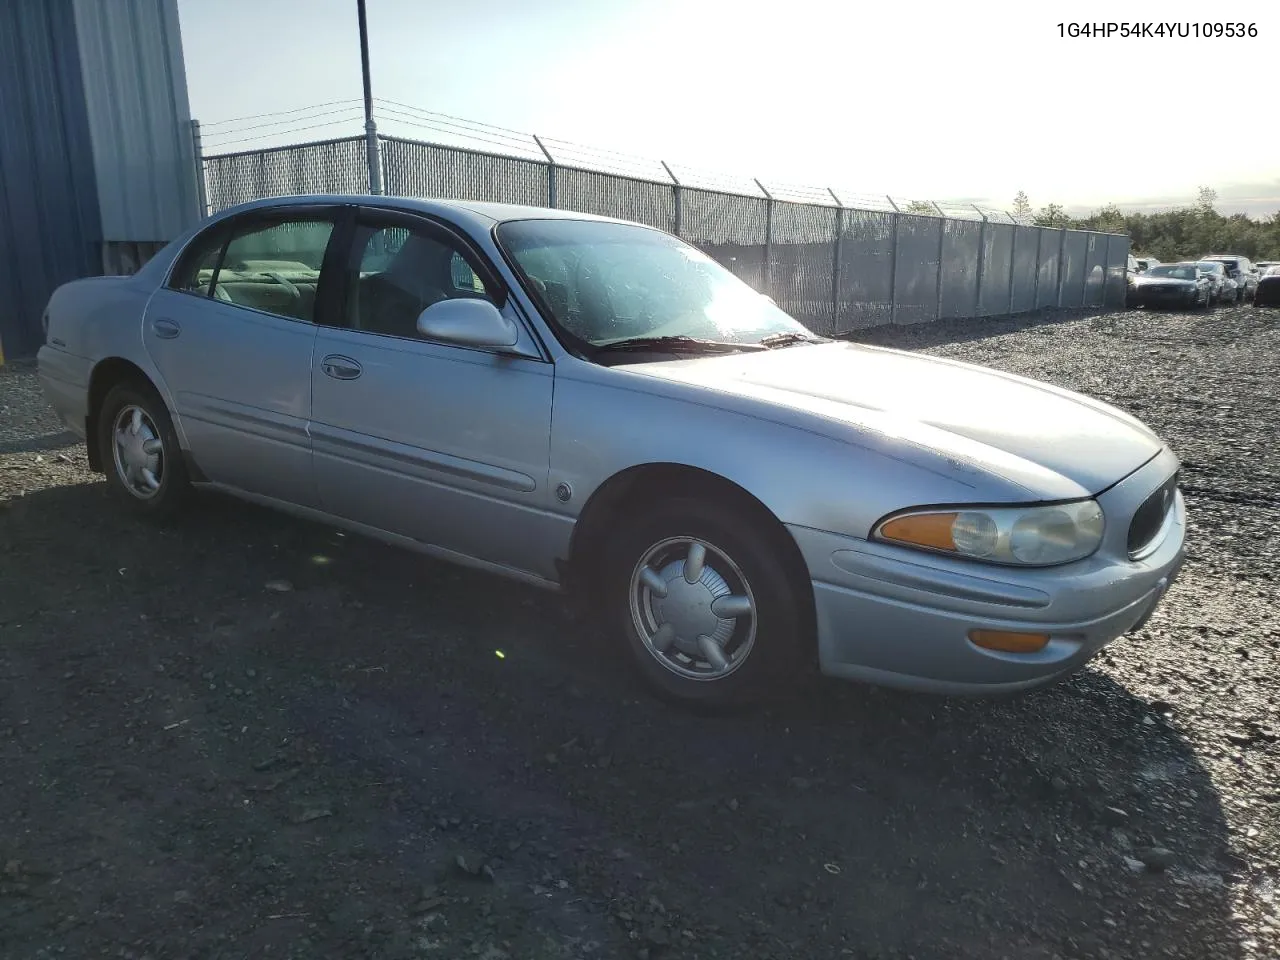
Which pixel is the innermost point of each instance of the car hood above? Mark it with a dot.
(1007, 425)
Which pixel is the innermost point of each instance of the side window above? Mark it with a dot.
(396, 272)
(194, 270)
(275, 267)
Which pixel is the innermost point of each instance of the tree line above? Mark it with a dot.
(1179, 234)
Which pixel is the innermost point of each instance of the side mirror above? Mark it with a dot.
(467, 322)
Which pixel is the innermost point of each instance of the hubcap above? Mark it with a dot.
(693, 608)
(139, 452)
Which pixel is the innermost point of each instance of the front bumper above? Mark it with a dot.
(901, 618)
(1165, 297)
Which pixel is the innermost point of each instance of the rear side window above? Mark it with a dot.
(194, 271)
(274, 267)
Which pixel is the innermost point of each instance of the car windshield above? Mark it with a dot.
(1173, 273)
(610, 282)
(1213, 267)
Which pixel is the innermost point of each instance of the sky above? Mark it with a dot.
(943, 101)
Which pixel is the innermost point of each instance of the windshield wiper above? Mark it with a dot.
(786, 339)
(676, 343)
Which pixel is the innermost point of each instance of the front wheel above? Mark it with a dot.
(710, 613)
(140, 450)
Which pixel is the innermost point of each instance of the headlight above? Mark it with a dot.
(1022, 536)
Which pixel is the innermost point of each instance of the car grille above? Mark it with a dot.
(1149, 518)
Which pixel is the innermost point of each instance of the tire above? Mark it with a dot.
(150, 480)
(712, 658)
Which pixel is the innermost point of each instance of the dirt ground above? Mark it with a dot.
(246, 736)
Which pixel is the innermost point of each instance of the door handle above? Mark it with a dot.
(340, 368)
(165, 328)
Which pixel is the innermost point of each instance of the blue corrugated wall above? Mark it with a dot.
(49, 221)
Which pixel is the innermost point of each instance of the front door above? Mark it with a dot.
(232, 336)
(443, 444)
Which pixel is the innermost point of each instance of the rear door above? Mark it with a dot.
(232, 335)
(443, 444)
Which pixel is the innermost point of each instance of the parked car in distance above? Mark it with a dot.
(1241, 271)
(1179, 285)
(1268, 291)
(1146, 263)
(594, 405)
(1224, 288)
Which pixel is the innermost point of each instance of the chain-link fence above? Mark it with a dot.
(835, 267)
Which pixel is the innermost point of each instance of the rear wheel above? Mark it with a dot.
(140, 451)
(710, 613)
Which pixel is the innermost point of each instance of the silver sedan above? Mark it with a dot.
(593, 405)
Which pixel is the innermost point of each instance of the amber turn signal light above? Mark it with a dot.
(1008, 641)
(922, 530)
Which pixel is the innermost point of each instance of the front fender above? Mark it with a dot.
(803, 477)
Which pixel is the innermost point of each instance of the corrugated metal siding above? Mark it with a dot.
(139, 117)
(49, 226)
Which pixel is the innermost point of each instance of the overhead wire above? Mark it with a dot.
(278, 113)
(440, 127)
(490, 134)
(280, 123)
(280, 133)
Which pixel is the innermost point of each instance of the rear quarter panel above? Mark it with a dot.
(101, 317)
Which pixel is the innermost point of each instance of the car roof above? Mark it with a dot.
(477, 214)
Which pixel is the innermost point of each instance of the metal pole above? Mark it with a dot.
(1035, 296)
(1084, 279)
(198, 146)
(982, 263)
(893, 267)
(675, 195)
(835, 262)
(1106, 271)
(768, 238)
(1062, 264)
(1013, 259)
(942, 240)
(370, 128)
(551, 172)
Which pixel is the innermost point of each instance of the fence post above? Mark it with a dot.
(1035, 295)
(982, 263)
(893, 262)
(942, 240)
(1013, 260)
(372, 157)
(675, 195)
(1084, 281)
(768, 239)
(198, 146)
(835, 263)
(551, 172)
(1062, 264)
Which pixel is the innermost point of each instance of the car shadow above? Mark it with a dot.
(917, 336)
(1075, 821)
(40, 443)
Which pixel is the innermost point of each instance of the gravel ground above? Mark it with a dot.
(246, 736)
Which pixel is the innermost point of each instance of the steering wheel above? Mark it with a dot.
(289, 285)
